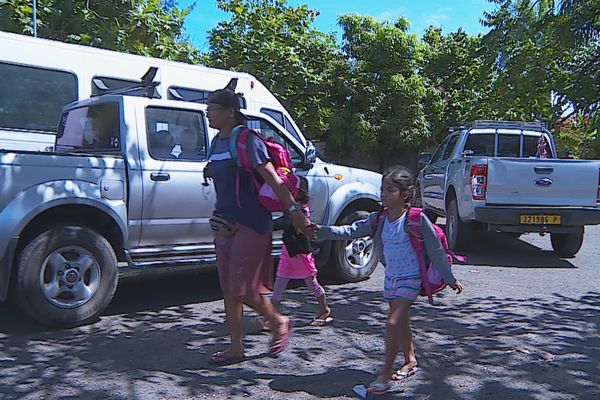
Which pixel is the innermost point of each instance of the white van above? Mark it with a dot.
(39, 76)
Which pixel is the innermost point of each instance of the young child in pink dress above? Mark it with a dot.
(298, 262)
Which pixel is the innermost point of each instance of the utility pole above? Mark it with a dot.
(34, 19)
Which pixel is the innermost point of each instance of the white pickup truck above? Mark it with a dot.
(505, 176)
(126, 184)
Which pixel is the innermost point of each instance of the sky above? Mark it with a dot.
(449, 14)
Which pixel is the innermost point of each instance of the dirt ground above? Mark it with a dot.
(526, 327)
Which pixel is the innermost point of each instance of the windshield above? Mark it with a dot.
(89, 129)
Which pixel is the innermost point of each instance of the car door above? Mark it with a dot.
(177, 201)
(431, 178)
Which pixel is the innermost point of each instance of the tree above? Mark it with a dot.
(546, 66)
(455, 65)
(382, 103)
(147, 27)
(276, 43)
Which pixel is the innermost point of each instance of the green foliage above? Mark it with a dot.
(146, 27)
(277, 44)
(383, 104)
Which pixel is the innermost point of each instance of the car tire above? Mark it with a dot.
(354, 260)
(458, 233)
(566, 245)
(66, 276)
(418, 202)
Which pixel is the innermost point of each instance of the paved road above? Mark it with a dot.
(526, 327)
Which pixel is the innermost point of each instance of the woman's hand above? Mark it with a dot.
(300, 221)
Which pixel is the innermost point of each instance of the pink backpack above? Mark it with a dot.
(432, 281)
(280, 157)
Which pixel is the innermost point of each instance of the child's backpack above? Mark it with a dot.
(431, 278)
(280, 158)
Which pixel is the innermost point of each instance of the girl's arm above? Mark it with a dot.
(435, 251)
(365, 227)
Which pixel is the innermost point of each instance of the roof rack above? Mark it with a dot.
(147, 82)
(536, 125)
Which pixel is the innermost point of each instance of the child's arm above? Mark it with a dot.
(435, 251)
(365, 227)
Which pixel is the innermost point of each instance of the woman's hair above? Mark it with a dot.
(402, 178)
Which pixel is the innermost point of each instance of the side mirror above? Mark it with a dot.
(423, 159)
(310, 155)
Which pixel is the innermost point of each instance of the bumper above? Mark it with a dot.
(507, 218)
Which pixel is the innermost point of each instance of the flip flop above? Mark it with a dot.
(260, 323)
(321, 320)
(400, 375)
(222, 358)
(279, 345)
(378, 388)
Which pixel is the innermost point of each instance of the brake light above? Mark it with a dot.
(479, 174)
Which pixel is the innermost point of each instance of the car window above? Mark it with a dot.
(32, 98)
(89, 129)
(450, 147)
(437, 156)
(269, 131)
(481, 144)
(174, 134)
(509, 145)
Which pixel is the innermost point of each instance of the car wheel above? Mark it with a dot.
(66, 276)
(567, 244)
(458, 233)
(356, 259)
(418, 202)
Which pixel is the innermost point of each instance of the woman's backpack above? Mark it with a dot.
(280, 158)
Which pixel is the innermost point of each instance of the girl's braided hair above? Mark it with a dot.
(402, 178)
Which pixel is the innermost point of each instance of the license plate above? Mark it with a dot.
(540, 219)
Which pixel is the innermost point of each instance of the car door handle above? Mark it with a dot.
(543, 170)
(160, 176)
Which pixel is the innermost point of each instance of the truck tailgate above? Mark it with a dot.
(543, 182)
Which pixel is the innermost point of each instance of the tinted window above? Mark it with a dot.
(482, 144)
(509, 145)
(33, 98)
(175, 134)
(269, 131)
(530, 146)
(92, 128)
(437, 156)
(276, 115)
(290, 128)
(197, 95)
(450, 147)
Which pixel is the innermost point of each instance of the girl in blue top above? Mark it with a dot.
(402, 271)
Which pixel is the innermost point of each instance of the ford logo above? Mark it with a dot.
(543, 182)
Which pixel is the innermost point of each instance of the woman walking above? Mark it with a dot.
(243, 228)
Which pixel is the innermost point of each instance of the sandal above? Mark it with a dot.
(378, 388)
(260, 323)
(321, 320)
(223, 358)
(401, 375)
(278, 345)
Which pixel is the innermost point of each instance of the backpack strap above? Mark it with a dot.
(416, 239)
(211, 148)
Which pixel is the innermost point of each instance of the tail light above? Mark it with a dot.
(479, 174)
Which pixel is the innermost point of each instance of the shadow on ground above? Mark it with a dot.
(154, 340)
